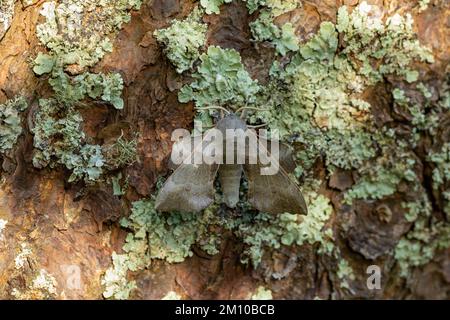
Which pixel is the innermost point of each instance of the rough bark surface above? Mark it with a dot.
(70, 224)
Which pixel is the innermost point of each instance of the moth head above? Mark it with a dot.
(231, 121)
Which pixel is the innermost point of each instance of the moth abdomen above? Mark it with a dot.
(230, 181)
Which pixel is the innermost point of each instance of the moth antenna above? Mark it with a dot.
(258, 126)
(250, 108)
(213, 108)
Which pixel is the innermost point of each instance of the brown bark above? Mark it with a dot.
(68, 224)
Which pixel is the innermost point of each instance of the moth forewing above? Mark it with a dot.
(276, 193)
(268, 154)
(191, 186)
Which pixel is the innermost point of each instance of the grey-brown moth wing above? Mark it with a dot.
(190, 188)
(276, 193)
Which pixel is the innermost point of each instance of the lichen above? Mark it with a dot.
(393, 43)
(3, 224)
(58, 139)
(381, 178)
(183, 40)
(42, 287)
(45, 282)
(122, 153)
(77, 34)
(265, 231)
(75, 42)
(262, 294)
(115, 279)
(79, 31)
(213, 6)
(284, 38)
(171, 295)
(6, 15)
(276, 7)
(10, 122)
(21, 258)
(420, 245)
(220, 80)
(345, 273)
(315, 98)
(153, 235)
(441, 173)
(423, 5)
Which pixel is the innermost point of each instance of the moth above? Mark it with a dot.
(190, 188)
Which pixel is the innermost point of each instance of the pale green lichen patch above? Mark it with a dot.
(266, 231)
(171, 295)
(284, 38)
(183, 40)
(420, 245)
(345, 273)
(213, 6)
(262, 294)
(276, 7)
(107, 87)
(264, 28)
(21, 258)
(381, 177)
(43, 286)
(220, 80)
(10, 122)
(441, 173)
(115, 279)
(169, 236)
(157, 236)
(393, 42)
(78, 32)
(423, 5)
(6, 15)
(58, 138)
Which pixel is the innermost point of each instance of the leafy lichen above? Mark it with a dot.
(213, 6)
(6, 15)
(153, 235)
(70, 34)
(419, 245)
(10, 122)
(276, 7)
(284, 38)
(441, 173)
(316, 101)
(345, 273)
(267, 231)
(75, 43)
(42, 287)
(220, 80)
(183, 40)
(77, 34)
(58, 138)
(262, 294)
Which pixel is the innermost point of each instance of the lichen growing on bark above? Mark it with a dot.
(10, 122)
(183, 40)
(6, 16)
(315, 98)
(74, 45)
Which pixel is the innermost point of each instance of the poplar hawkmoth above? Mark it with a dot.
(190, 188)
